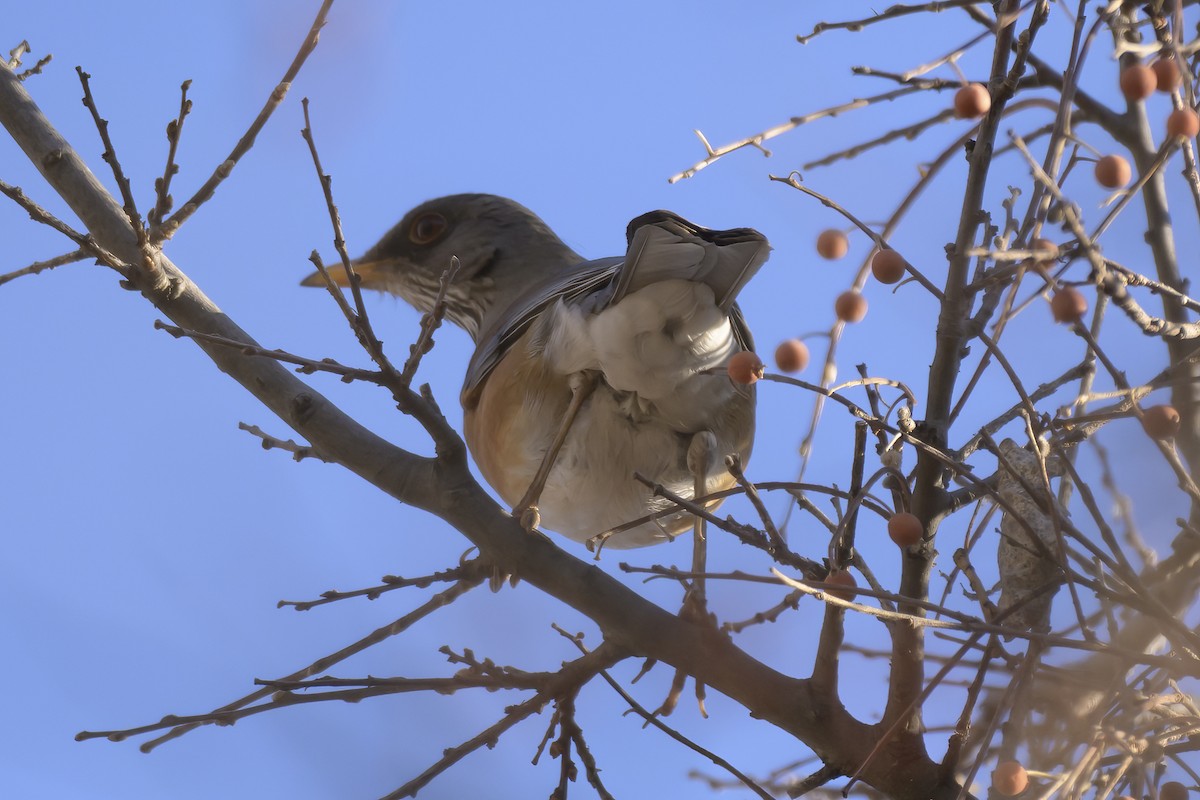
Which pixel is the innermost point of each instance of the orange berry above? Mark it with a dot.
(832, 244)
(1113, 172)
(1067, 305)
(1160, 422)
(1183, 123)
(1172, 790)
(888, 266)
(791, 355)
(1044, 250)
(905, 529)
(1166, 74)
(745, 367)
(1009, 778)
(850, 306)
(1138, 82)
(972, 101)
(843, 584)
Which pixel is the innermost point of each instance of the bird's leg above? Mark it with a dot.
(582, 385)
(695, 602)
(699, 460)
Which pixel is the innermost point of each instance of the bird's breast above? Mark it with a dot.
(617, 432)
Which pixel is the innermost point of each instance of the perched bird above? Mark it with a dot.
(585, 372)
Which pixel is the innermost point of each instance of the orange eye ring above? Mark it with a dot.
(427, 228)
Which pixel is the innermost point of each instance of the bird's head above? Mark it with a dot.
(501, 248)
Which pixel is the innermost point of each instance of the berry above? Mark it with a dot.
(1172, 790)
(888, 266)
(1067, 305)
(832, 244)
(1009, 778)
(1166, 74)
(850, 306)
(840, 578)
(972, 101)
(745, 367)
(1183, 123)
(1138, 82)
(1113, 172)
(1044, 250)
(791, 355)
(1160, 422)
(905, 529)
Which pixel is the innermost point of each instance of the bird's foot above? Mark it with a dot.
(529, 516)
(499, 577)
(695, 609)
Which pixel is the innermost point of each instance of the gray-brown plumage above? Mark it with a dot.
(647, 334)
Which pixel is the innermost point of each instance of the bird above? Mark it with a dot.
(585, 372)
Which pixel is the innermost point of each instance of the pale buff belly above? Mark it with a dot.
(591, 488)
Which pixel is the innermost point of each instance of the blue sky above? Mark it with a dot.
(147, 540)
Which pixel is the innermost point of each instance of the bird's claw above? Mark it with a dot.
(530, 517)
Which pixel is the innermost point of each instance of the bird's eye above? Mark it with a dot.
(426, 228)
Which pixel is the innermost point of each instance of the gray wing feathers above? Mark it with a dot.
(665, 246)
(662, 246)
(585, 281)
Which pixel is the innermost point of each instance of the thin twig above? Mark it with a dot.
(891, 12)
(162, 186)
(429, 324)
(654, 721)
(359, 321)
(110, 157)
(42, 266)
(390, 583)
(714, 154)
(299, 452)
(439, 600)
(745, 533)
(908, 133)
(568, 679)
(793, 180)
(733, 463)
(307, 365)
(85, 241)
(226, 167)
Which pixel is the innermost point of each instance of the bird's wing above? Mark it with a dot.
(665, 246)
(591, 281)
(741, 330)
(662, 246)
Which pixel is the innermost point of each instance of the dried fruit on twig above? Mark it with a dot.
(1113, 172)
(1160, 422)
(1166, 73)
(1172, 790)
(832, 244)
(745, 367)
(905, 529)
(1044, 250)
(850, 306)
(1028, 542)
(1138, 82)
(888, 266)
(972, 101)
(841, 578)
(1183, 123)
(791, 355)
(1009, 778)
(1067, 305)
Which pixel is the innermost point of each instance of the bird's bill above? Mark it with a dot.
(371, 273)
